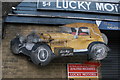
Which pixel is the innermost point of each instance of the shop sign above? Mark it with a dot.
(72, 5)
(82, 71)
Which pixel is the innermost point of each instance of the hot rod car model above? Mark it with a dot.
(69, 39)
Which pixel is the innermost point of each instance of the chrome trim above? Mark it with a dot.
(80, 50)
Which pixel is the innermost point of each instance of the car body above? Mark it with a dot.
(69, 39)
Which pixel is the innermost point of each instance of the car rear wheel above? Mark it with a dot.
(42, 55)
(105, 38)
(98, 51)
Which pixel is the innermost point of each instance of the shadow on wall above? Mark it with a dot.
(6, 7)
(113, 35)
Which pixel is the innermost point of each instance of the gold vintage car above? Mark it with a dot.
(67, 41)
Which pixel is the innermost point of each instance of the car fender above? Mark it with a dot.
(42, 43)
(97, 42)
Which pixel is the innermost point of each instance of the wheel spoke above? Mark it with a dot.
(98, 52)
(42, 54)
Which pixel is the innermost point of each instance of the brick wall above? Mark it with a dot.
(18, 66)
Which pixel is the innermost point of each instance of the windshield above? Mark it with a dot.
(66, 29)
(75, 31)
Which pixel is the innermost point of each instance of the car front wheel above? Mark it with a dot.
(42, 55)
(14, 45)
